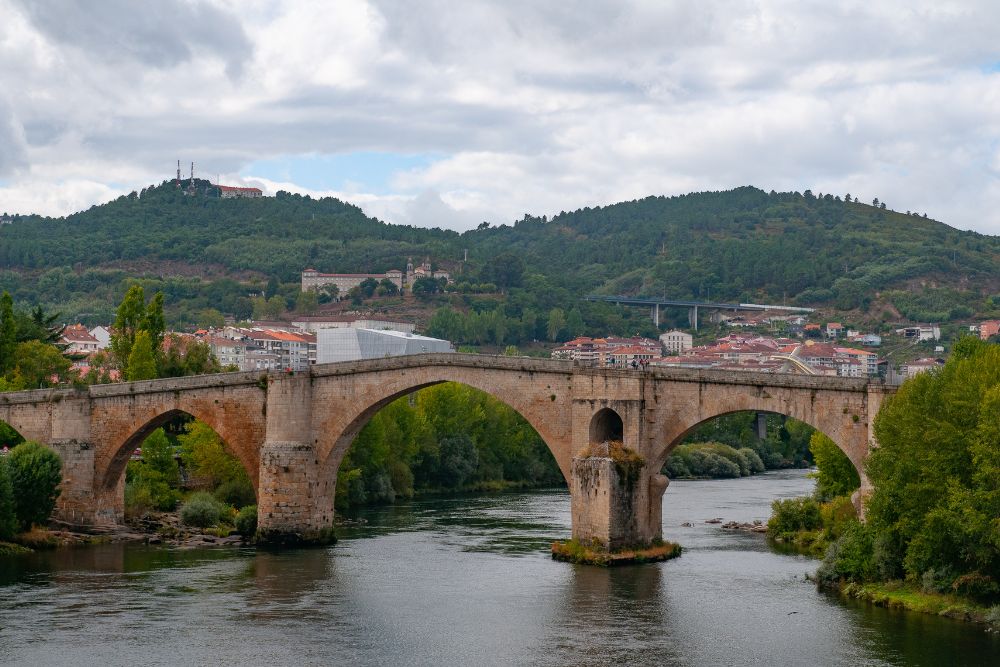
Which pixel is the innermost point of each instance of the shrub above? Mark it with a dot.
(35, 474)
(138, 500)
(237, 492)
(850, 558)
(754, 462)
(937, 581)
(201, 510)
(246, 521)
(836, 516)
(8, 514)
(976, 585)
(147, 488)
(792, 515)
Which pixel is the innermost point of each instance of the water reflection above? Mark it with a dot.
(463, 581)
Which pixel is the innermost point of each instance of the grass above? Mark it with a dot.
(11, 549)
(574, 551)
(901, 595)
(37, 538)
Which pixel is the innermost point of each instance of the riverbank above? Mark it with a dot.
(900, 595)
(809, 528)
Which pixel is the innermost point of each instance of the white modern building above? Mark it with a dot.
(316, 322)
(343, 344)
(676, 342)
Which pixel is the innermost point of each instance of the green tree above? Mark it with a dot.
(306, 302)
(836, 475)
(8, 332)
(275, 307)
(141, 362)
(154, 324)
(8, 511)
(556, 325)
(38, 365)
(387, 288)
(936, 499)
(368, 287)
(130, 317)
(425, 286)
(205, 456)
(35, 474)
(505, 270)
(574, 323)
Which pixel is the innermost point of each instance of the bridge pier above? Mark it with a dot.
(76, 505)
(616, 502)
(294, 505)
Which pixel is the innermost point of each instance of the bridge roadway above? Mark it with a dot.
(290, 431)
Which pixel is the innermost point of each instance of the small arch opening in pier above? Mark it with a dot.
(607, 426)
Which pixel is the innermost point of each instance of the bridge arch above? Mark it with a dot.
(117, 458)
(849, 434)
(534, 399)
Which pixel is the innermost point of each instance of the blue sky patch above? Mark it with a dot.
(367, 171)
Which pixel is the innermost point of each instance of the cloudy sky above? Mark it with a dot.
(451, 113)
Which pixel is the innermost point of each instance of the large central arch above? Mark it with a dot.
(533, 398)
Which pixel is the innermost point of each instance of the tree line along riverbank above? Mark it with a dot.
(930, 541)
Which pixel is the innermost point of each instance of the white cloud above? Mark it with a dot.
(534, 107)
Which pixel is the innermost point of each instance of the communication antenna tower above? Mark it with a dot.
(192, 174)
(178, 181)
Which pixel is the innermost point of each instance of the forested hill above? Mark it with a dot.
(743, 244)
(746, 244)
(273, 236)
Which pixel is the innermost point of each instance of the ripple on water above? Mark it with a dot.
(466, 581)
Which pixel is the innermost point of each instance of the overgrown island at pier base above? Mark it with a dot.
(574, 551)
(605, 530)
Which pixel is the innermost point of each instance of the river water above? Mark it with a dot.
(465, 581)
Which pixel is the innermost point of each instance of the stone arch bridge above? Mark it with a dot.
(291, 431)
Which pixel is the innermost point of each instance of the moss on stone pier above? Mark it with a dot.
(574, 551)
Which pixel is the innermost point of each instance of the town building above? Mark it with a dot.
(676, 342)
(78, 340)
(834, 330)
(348, 344)
(921, 332)
(914, 368)
(264, 349)
(988, 328)
(103, 336)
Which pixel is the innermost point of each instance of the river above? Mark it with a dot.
(464, 581)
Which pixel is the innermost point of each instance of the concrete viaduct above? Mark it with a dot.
(292, 431)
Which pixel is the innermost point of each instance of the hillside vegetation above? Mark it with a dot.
(743, 244)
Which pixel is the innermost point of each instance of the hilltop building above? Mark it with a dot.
(424, 271)
(232, 192)
(313, 279)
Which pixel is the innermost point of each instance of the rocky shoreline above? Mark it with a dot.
(757, 526)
